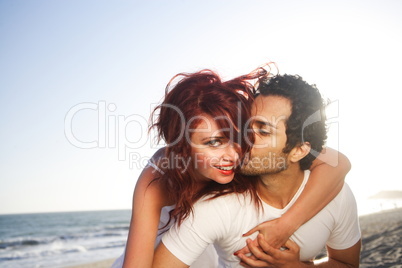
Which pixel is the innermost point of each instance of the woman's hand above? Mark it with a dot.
(275, 232)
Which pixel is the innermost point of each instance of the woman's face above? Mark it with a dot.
(214, 156)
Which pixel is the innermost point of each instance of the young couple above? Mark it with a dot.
(256, 164)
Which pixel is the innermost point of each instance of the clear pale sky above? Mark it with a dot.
(95, 69)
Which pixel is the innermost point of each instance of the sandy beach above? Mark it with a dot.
(381, 236)
(98, 264)
(382, 239)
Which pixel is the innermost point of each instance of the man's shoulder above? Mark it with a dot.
(343, 207)
(345, 196)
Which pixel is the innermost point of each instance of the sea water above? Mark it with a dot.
(62, 239)
(70, 238)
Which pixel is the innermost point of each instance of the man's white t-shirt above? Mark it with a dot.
(222, 221)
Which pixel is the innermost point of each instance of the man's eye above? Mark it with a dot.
(263, 132)
(214, 143)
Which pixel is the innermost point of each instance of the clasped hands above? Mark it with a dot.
(270, 249)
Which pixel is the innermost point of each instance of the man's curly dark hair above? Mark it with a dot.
(307, 120)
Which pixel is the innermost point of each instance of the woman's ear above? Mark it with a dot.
(299, 152)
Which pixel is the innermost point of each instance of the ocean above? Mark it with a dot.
(71, 238)
(62, 239)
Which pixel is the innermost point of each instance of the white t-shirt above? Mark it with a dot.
(222, 221)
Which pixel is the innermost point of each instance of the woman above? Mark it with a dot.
(204, 123)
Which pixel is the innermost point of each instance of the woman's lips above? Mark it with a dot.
(225, 169)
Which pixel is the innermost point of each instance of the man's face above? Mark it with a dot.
(269, 117)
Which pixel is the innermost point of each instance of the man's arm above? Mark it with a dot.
(327, 177)
(342, 258)
(164, 258)
(268, 256)
(343, 245)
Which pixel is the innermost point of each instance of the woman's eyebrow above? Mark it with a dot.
(213, 137)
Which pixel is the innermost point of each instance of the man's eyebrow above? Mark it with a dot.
(264, 123)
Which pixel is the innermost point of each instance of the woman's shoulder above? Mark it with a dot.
(150, 183)
(156, 162)
(152, 169)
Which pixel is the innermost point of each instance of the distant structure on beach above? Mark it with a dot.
(387, 195)
(385, 200)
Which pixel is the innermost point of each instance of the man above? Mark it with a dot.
(290, 131)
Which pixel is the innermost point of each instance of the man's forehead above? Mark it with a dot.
(271, 107)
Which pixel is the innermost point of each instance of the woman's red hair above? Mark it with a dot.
(196, 94)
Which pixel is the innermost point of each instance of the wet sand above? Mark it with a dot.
(98, 264)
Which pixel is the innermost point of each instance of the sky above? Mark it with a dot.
(78, 80)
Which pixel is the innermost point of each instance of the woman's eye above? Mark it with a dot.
(214, 143)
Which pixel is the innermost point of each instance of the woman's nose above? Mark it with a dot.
(231, 153)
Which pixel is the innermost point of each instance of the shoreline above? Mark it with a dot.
(98, 264)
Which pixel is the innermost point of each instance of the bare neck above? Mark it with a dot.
(277, 190)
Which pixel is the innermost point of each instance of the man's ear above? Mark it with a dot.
(299, 152)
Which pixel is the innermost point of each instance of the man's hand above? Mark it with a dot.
(266, 256)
